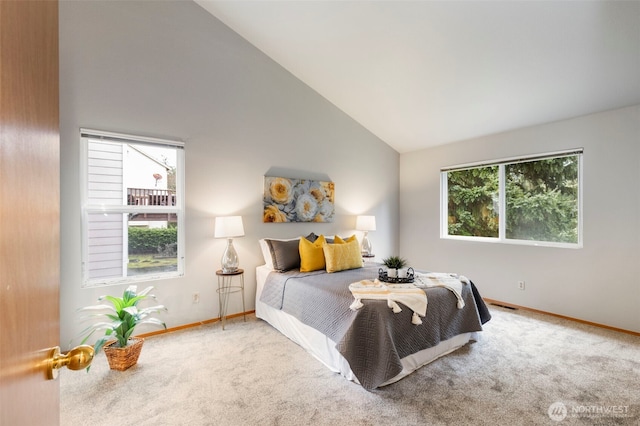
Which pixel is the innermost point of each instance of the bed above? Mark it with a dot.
(372, 346)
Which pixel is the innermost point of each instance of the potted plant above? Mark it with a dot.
(393, 263)
(119, 319)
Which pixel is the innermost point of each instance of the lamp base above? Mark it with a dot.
(229, 258)
(367, 247)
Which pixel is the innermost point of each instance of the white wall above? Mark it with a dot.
(170, 69)
(598, 283)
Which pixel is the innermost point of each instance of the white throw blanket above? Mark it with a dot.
(407, 294)
(452, 282)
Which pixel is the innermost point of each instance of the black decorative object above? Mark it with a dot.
(384, 277)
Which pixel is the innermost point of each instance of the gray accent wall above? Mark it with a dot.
(171, 70)
(597, 283)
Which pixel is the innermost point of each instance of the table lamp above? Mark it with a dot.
(229, 227)
(366, 224)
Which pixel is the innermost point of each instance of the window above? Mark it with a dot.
(533, 200)
(132, 208)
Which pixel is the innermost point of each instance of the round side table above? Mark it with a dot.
(225, 288)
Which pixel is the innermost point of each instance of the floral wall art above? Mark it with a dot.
(297, 200)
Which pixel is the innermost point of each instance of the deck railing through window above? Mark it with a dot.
(150, 197)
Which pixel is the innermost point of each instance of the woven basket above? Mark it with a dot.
(122, 358)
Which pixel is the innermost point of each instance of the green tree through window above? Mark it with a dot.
(541, 200)
(473, 202)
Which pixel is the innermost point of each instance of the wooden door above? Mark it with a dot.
(29, 211)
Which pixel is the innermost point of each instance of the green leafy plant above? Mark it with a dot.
(119, 319)
(394, 262)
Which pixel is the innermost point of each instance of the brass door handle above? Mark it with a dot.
(76, 359)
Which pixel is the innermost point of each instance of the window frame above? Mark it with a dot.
(501, 163)
(88, 209)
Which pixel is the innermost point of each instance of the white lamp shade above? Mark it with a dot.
(229, 227)
(366, 223)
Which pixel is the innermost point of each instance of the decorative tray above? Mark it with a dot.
(384, 277)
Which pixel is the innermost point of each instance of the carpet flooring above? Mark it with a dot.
(526, 369)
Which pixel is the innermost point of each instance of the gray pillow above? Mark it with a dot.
(312, 237)
(285, 254)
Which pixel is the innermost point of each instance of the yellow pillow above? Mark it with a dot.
(311, 254)
(338, 240)
(340, 257)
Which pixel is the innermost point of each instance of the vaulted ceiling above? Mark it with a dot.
(424, 73)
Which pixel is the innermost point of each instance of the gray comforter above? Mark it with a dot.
(372, 339)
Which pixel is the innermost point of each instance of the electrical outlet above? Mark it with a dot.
(196, 297)
(521, 285)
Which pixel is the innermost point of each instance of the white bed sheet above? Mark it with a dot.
(323, 348)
